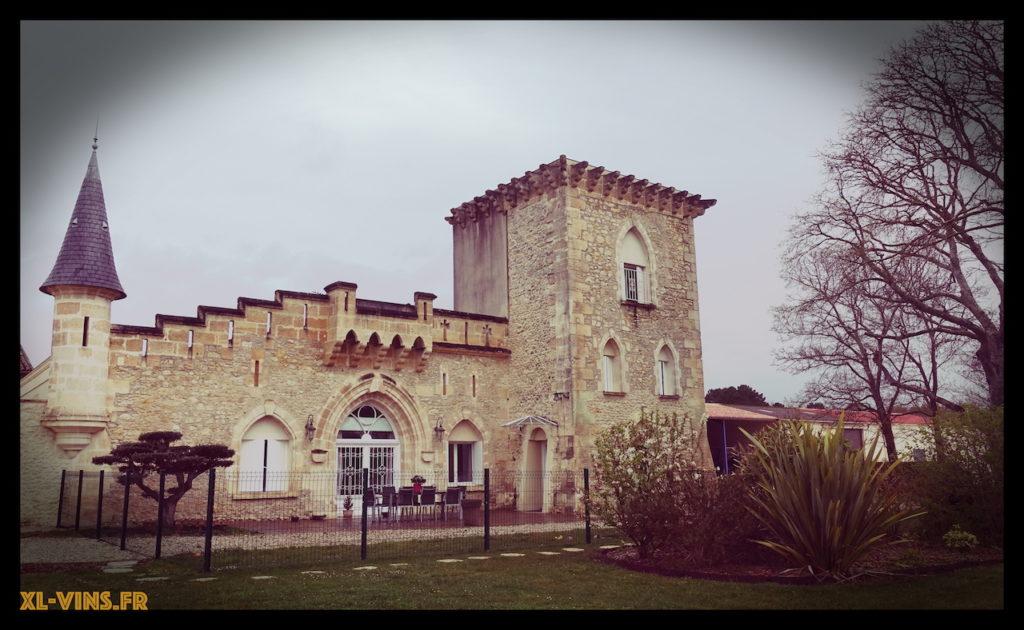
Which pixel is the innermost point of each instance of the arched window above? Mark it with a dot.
(665, 372)
(264, 459)
(465, 454)
(611, 367)
(366, 420)
(636, 267)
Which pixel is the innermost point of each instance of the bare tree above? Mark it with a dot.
(833, 328)
(915, 196)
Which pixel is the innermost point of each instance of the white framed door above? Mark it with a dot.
(535, 473)
(380, 459)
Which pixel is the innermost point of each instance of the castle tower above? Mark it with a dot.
(596, 273)
(83, 283)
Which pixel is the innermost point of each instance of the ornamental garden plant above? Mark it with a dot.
(824, 503)
(649, 488)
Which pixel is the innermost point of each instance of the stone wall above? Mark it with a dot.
(596, 226)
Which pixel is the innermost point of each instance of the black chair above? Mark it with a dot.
(428, 500)
(370, 500)
(404, 501)
(388, 496)
(453, 499)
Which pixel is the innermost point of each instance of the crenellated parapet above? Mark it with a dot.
(290, 315)
(563, 172)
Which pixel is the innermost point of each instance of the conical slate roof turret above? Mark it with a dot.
(86, 258)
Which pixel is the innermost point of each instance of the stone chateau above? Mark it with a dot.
(575, 306)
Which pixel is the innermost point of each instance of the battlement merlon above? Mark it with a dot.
(547, 178)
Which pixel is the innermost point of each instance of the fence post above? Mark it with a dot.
(362, 543)
(60, 499)
(78, 503)
(124, 510)
(208, 544)
(586, 501)
(487, 509)
(160, 516)
(99, 508)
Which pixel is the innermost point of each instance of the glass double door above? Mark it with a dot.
(380, 460)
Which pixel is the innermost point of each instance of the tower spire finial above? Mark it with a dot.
(86, 258)
(96, 135)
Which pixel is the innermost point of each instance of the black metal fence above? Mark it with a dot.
(238, 519)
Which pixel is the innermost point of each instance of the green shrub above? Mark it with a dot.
(824, 502)
(960, 540)
(962, 481)
(637, 466)
(648, 488)
(712, 524)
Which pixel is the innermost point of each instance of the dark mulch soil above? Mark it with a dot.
(912, 558)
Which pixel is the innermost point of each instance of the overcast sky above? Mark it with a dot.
(238, 157)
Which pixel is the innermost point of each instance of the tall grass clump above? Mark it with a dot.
(824, 502)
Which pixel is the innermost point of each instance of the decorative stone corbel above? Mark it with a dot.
(576, 173)
(74, 433)
(594, 178)
(608, 185)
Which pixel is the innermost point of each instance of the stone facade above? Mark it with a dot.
(540, 300)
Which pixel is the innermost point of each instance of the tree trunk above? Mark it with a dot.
(992, 362)
(888, 438)
(170, 507)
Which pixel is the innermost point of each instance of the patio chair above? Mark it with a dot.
(403, 502)
(428, 501)
(388, 496)
(453, 499)
(370, 498)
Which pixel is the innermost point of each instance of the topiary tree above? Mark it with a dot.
(153, 454)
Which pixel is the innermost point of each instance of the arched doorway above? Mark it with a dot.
(534, 471)
(366, 439)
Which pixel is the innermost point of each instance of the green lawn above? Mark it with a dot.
(532, 581)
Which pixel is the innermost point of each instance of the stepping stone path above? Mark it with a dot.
(125, 566)
(120, 566)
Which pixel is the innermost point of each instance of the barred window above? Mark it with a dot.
(635, 259)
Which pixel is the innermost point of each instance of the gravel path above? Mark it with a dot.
(43, 549)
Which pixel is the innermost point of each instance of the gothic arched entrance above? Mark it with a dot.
(367, 440)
